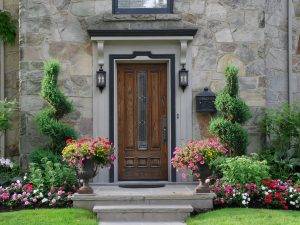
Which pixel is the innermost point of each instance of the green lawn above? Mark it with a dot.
(49, 217)
(247, 217)
(218, 217)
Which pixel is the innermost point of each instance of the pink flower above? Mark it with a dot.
(4, 196)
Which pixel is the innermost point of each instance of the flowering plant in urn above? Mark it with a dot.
(195, 157)
(87, 155)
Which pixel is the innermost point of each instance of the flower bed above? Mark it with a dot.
(272, 194)
(21, 196)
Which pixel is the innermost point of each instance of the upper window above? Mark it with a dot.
(142, 6)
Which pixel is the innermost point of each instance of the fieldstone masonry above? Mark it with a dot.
(251, 34)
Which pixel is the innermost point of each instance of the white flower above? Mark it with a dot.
(41, 195)
(248, 199)
(44, 200)
(270, 191)
(207, 181)
(292, 203)
(244, 202)
(266, 193)
(233, 195)
(291, 196)
(297, 201)
(291, 189)
(35, 191)
(263, 188)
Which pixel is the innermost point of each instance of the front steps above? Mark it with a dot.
(169, 205)
(143, 214)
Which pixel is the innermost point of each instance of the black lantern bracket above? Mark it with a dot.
(205, 101)
(183, 78)
(101, 79)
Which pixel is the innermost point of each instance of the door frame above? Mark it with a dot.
(143, 57)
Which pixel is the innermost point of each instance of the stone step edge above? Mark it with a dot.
(94, 197)
(144, 209)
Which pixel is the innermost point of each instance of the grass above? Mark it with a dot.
(246, 217)
(218, 217)
(49, 217)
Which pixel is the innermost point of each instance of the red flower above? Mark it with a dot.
(278, 196)
(268, 199)
(28, 187)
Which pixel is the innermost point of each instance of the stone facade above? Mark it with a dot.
(251, 34)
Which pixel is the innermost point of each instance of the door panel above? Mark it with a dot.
(142, 122)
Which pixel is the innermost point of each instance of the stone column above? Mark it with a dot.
(2, 136)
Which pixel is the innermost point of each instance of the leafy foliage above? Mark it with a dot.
(52, 175)
(37, 156)
(233, 134)
(6, 111)
(233, 112)
(8, 27)
(243, 169)
(282, 148)
(48, 119)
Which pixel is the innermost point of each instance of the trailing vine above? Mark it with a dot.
(233, 113)
(48, 120)
(8, 28)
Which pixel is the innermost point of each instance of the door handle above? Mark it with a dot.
(165, 130)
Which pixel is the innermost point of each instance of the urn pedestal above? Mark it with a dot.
(205, 172)
(86, 172)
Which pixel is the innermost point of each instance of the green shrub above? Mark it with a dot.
(243, 169)
(48, 120)
(233, 112)
(282, 148)
(8, 27)
(233, 134)
(232, 108)
(7, 109)
(37, 156)
(52, 175)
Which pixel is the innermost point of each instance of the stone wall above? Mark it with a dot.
(11, 73)
(249, 33)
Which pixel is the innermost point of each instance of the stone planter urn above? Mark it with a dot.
(86, 172)
(205, 172)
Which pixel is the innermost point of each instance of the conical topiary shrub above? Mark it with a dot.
(233, 113)
(48, 120)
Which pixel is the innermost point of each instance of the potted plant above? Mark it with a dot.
(195, 157)
(87, 155)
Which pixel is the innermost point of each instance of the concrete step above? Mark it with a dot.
(198, 201)
(142, 223)
(143, 214)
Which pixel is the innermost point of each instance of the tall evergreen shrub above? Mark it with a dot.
(48, 120)
(233, 113)
(8, 27)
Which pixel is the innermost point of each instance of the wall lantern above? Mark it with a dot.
(183, 78)
(101, 79)
(205, 101)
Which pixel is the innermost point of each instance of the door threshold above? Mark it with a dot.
(123, 183)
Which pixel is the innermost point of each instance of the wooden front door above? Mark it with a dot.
(142, 122)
